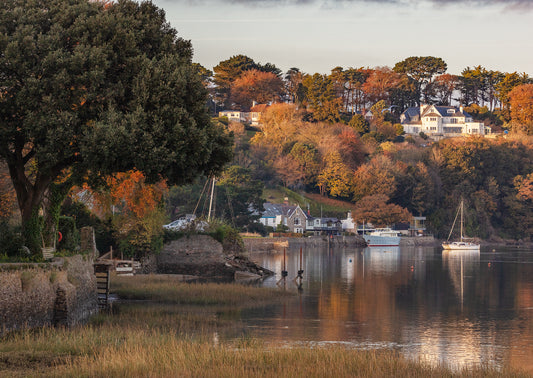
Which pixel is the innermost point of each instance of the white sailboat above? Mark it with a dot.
(460, 245)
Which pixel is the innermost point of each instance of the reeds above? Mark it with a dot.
(165, 288)
(145, 339)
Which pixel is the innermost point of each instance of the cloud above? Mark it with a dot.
(508, 4)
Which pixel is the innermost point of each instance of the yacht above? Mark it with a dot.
(383, 237)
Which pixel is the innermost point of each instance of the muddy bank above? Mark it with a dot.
(202, 256)
(273, 244)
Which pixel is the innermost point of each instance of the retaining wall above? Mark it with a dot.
(59, 293)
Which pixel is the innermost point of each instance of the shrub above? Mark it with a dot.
(70, 236)
(10, 240)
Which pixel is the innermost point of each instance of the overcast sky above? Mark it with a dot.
(318, 35)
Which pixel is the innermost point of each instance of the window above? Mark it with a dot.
(454, 120)
(451, 111)
(296, 220)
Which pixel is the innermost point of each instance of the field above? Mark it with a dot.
(172, 328)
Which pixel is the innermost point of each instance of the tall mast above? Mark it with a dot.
(462, 204)
(211, 200)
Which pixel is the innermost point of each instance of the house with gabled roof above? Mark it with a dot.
(291, 216)
(440, 122)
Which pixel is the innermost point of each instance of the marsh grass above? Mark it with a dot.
(165, 288)
(147, 339)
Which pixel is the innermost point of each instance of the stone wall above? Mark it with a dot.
(59, 293)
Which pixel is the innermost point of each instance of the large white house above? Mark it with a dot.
(440, 122)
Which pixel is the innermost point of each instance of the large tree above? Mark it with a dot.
(422, 69)
(88, 90)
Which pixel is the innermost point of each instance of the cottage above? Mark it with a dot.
(291, 216)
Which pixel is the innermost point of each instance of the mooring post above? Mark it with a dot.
(284, 273)
(299, 277)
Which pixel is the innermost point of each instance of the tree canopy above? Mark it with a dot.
(88, 90)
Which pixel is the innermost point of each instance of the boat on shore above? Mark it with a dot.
(383, 237)
(463, 244)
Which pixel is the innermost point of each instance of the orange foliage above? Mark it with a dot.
(130, 190)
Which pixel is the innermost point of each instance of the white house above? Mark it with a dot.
(440, 122)
(235, 116)
(291, 216)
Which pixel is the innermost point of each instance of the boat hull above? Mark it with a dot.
(382, 241)
(460, 246)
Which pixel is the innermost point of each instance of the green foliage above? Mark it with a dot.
(70, 235)
(228, 236)
(103, 230)
(360, 124)
(10, 240)
(116, 89)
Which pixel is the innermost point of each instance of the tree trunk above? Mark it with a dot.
(29, 197)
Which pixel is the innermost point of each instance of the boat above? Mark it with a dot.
(462, 244)
(382, 237)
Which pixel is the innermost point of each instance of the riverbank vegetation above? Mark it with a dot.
(189, 337)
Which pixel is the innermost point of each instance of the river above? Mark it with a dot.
(460, 309)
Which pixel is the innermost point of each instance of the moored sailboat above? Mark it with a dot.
(462, 244)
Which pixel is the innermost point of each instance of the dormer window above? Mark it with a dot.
(451, 111)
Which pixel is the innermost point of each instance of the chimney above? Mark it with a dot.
(461, 108)
(286, 201)
(254, 103)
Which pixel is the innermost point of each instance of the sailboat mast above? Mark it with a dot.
(462, 205)
(211, 200)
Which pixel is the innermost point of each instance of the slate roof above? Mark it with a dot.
(412, 115)
(273, 210)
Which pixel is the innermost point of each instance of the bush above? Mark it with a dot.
(70, 236)
(10, 240)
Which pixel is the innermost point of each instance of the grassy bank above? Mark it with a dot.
(178, 337)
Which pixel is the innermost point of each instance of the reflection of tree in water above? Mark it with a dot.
(463, 268)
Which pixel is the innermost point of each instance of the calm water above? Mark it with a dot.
(460, 308)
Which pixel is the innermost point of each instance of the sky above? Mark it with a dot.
(318, 35)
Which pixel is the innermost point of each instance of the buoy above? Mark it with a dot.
(59, 237)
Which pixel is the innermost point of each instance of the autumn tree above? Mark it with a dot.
(375, 209)
(505, 86)
(521, 101)
(227, 71)
(378, 176)
(90, 90)
(380, 84)
(422, 69)
(335, 178)
(135, 208)
(255, 85)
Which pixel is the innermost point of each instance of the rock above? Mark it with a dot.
(201, 255)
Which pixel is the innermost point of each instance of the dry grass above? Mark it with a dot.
(164, 288)
(166, 340)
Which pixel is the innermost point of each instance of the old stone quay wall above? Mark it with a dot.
(59, 293)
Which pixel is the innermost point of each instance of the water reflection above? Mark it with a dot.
(461, 309)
